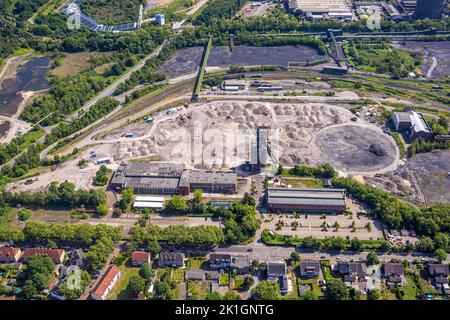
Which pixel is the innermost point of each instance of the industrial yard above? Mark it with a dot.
(187, 61)
(299, 125)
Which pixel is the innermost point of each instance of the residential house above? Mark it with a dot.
(57, 255)
(106, 284)
(394, 274)
(9, 254)
(220, 261)
(171, 259)
(352, 272)
(195, 275)
(139, 258)
(241, 264)
(438, 273)
(309, 269)
(275, 270)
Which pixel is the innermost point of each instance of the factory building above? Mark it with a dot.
(171, 178)
(233, 85)
(148, 178)
(413, 124)
(306, 200)
(319, 9)
(432, 9)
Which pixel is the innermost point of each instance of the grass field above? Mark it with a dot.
(21, 51)
(305, 183)
(76, 63)
(120, 290)
(410, 289)
(380, 58)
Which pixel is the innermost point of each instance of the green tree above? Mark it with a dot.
(213, 296)
(102, 209)
(440, 255)
(266, 290)
(136, 285)
(295, 257)
(146, 272)
(248, 282)
(73, 292)
(230, 295)
(372, 259)
(374, 295)
(153, 247)
(162, 290)
(310, 295)
(128, 195)
(177, 204)
(336, 290)
(24, 214)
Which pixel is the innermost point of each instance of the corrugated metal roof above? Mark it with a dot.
(307, 196)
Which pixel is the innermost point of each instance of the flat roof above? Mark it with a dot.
(154, 169)
(148, 199)
(322, 6)
(143, 204)
(209, 177)
(152, 182)
(335, 197)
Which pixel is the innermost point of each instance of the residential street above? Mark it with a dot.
(268, 253)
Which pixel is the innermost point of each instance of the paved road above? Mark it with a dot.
(267, 253)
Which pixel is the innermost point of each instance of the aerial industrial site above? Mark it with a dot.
(224, 150)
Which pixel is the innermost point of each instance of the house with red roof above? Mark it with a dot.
(57, 255)
(106, 284)
(10, 254)
(139, 258)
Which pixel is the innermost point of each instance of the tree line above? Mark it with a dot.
(396, 214)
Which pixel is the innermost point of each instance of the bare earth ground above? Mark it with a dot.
(347, 147)
(304, 131)
(220, 135)
(432, 170)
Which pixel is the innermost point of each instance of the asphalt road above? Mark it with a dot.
(263, 252)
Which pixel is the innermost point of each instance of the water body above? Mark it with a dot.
(187, 61)
(29, 77)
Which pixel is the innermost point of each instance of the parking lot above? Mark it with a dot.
(313, 224)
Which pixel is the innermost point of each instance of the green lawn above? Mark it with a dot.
(224, 279)
(313, 284)
(120, 290)
(178, 274)
(305, 183)
(195, 262)
(238, 282)
(21, 51)
(410, 289)
(199, 289)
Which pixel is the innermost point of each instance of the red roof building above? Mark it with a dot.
(9, 254)
(139, 258)
(106, 284)
(57, 255)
